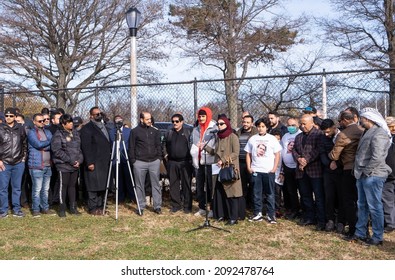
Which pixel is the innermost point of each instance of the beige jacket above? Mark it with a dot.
(346, 145)
(229, 147)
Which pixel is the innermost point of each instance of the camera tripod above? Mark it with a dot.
(116, 153)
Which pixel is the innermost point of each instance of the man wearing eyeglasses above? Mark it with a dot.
(39, 162)
(179, 164)
(12, 162)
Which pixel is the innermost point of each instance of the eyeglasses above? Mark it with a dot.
(46, 119)
(96, 115)
(40, 121)
(175, 121)
(220, 123)
(9, 116)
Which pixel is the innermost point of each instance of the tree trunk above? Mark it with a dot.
(231, 95)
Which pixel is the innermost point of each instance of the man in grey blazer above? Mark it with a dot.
(371, 171)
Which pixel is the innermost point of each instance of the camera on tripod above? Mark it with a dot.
(119, 124)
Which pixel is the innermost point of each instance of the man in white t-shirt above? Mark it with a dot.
(262, 159)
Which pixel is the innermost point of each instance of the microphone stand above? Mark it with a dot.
(206, 223)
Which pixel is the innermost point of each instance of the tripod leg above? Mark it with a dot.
(131, 177)
(109, 177)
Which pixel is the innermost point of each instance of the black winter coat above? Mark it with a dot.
(66, 150)
(96, 149)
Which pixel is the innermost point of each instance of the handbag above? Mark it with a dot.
(228, 173)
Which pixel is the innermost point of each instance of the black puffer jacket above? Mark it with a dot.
(13, 143)
(66, 150)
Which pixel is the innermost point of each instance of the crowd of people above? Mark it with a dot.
(337, 175)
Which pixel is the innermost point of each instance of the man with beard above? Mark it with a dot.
(145, 152)
(371, 171)
(275, 122)
(245, 132)
(96, 148)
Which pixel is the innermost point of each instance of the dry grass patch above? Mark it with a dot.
(165, 236)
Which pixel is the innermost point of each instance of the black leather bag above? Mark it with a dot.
(228, 173)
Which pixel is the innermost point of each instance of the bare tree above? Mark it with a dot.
(231, 36)
(364, 31)
(51, 45)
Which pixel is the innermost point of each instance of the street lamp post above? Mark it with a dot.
(133, 21)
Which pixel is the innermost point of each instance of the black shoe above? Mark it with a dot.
(306, 223)
(353, 238)
(330, 226)
(74, 211)
(175, 209)
(320, 227)
(231, 222)
(371, 242)
(140, 213)
(158, 211)
(62, 214)
(388, 229)
(291, 216)
(187, 211)
(340, 228)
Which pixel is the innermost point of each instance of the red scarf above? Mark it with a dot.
(227, 131)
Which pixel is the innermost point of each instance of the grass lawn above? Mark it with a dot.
(165, 237)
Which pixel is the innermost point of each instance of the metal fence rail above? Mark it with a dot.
(287, 94)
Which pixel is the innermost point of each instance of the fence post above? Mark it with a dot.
(96, 96)
(324, 96)
(57, 98)
(13, 99)
(195, 100)
(1, 99)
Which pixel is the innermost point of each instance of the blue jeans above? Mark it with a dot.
(13, 174)
(264, 184)
(369, 202)
(40, 187)
(314, 206)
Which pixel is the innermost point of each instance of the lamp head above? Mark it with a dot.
(133, 17)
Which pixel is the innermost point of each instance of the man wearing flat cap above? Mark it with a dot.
(13, 148)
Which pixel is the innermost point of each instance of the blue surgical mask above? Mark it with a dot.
(292, 129)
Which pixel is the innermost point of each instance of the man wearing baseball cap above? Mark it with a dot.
(13, 150)
(310, 110)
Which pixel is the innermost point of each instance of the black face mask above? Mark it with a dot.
(98, 117)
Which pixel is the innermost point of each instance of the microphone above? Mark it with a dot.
(214, 131)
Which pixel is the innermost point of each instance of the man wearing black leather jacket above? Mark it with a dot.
(13, 148)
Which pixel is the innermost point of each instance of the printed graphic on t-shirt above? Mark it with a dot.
(262, 150)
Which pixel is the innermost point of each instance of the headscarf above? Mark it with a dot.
(204, 126)
(226, 131)
(375, 116)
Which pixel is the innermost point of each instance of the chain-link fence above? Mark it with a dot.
(287, 94)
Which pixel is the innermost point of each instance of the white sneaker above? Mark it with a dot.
(271, 220)
(257, 218)
(148, 200)
(201, 212)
